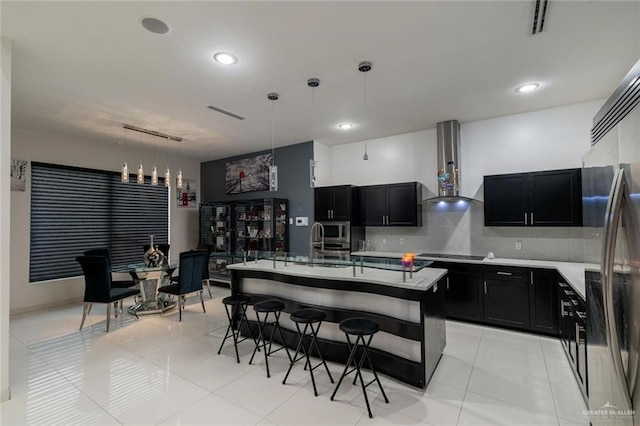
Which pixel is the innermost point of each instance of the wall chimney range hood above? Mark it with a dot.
(448, 144)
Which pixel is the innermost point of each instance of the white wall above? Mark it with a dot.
(50, 149)
(549, 139)
(322, 157)
(5, 211)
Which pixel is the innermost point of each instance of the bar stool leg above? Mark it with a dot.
(314, 340)
(277, 315)
(346, 367)
(233, 332)
(264, 342)
(366, 351)
(295, 356)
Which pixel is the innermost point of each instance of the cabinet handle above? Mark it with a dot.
(485, 287)
(581, 315)
(504, 273)
(387, 219)
(447, 283)
(525, 219)
(532, 218)
(531, 276)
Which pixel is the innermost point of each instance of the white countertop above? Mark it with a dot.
(421, 280)
(572, 272)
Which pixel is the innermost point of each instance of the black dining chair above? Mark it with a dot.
(189, 279)
(205, 272)
(105, 252)
(98, 288)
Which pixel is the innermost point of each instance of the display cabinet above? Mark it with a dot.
(216, 232)
(261, 225)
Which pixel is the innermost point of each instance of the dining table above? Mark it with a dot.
(149, 279)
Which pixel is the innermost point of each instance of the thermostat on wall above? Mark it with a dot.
(302, 221)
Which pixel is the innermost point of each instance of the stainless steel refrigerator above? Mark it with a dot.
(611, 217)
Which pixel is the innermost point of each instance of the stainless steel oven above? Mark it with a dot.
(337, 233)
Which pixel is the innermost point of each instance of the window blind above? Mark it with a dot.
(75, 209)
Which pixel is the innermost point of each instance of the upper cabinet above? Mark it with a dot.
(391, 205)
(336, 203)
(549, 198)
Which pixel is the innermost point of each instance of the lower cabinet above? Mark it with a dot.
(464, 292)
(543, 301)
(506, 296)
(513, 297)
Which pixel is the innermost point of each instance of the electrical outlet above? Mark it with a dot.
(518, 245)
(384, 240)
(401, 241)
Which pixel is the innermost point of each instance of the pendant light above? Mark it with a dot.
(273, 169)
(124, 175)
(140, 179)
(154, 171)
(313, 83)
(364, 67)
(167, 173)
(179, 178)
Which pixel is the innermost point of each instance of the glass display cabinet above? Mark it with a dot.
(215, 227)
(261, 225)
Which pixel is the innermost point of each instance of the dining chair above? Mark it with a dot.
(189, 279)
(105, 252)
(206, 279)
(98, 288)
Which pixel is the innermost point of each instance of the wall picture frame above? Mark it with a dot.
(187, 195)
(18, 175)
(248, 174)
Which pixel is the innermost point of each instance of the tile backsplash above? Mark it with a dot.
(458, 228)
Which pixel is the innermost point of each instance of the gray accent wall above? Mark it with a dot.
(293, 184)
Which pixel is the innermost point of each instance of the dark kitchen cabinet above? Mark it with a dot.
(506, 296)
(464, 292)
(391, 205)
(336, 203)
(543, 301)
(547, 198)
(573, 333)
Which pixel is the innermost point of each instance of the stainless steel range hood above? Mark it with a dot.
(448, 143)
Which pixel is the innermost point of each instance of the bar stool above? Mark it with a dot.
(267, 307)
(236, 305)
(360, 327)
(308, 317)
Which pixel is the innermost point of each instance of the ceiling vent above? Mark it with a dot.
(539, 16)
(225, 112)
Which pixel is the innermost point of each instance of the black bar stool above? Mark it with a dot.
(308, 317)
(235, 306)
(267, 307)
(360, 327)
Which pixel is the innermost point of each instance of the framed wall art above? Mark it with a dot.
(187, 195)
(248, 174)
(18, 175)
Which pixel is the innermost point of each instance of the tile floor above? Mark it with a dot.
(158, 371)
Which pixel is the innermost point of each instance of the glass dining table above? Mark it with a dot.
(149, 279)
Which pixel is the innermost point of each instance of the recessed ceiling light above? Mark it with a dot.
(345, 126)
(154, 25)
(527, 88)
(225, 58)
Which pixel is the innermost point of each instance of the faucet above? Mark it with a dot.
(312, 241)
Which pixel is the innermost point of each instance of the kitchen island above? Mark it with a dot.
(409, 309)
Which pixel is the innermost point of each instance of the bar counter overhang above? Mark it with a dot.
(411, 314)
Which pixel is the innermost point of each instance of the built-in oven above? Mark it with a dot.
(335, 238)
(337, 233)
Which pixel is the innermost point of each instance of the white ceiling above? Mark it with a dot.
(82, 69)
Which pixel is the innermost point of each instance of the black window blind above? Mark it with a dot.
(75, 209)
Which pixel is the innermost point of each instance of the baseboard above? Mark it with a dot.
(18, 311)
(5, 395)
